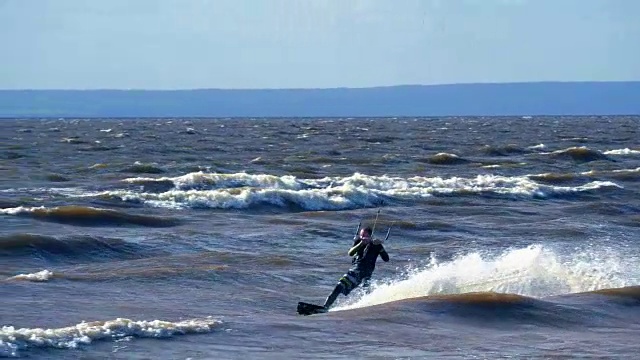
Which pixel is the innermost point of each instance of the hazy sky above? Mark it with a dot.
(178, 44)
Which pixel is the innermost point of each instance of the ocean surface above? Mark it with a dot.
(511, 237)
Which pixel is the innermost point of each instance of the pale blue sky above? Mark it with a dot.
(183, 44)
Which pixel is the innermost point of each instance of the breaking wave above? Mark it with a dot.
(40, 276)
(625, 151)
(13, 341)
(203, 181)
(241, 191)
(535, 271)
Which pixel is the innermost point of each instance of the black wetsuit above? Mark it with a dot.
(362, 266)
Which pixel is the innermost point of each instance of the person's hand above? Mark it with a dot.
(377, 241)
(365, 240)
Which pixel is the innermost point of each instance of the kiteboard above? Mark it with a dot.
(310, 309)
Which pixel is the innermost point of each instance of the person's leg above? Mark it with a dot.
(334, 295)
(347, 283)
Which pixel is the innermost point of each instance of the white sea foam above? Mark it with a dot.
(625, 151)
(40, 276)
(242, 190)
(13, 340)
(54, 190)
(20, 210)
(626, 171)
(200, 180)
(200, 190)
(538, 147)
(535, 271)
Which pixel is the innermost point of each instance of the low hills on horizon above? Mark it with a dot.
(482, 99)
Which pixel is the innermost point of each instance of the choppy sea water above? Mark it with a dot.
(196, 238)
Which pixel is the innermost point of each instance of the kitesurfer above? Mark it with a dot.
(365, 252)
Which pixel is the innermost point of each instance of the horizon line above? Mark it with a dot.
(332, 88)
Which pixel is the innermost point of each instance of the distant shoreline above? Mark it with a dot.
(481, 99)
(196, 118)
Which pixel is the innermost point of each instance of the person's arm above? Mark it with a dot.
(383, 254)
(355, 248)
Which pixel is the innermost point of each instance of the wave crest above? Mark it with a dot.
(140, 168)
(504, 150)
(242, 191)
(73, 246)
(13, 340)
(40, 276)
(580, 154)
(534, 271)
(446, 159)
(89, 216)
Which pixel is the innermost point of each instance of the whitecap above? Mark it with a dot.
(13, 340)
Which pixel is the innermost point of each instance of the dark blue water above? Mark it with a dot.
(196, 238)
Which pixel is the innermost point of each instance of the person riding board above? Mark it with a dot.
(365, 252)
